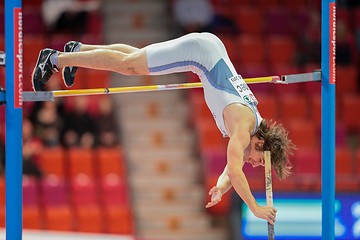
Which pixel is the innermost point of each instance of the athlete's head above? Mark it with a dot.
(277, 142)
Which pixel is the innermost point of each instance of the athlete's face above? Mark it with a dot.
(254, 153)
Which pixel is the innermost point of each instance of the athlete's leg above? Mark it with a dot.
(68, 72)
(134, 63)
(178, 55)
(116, 47)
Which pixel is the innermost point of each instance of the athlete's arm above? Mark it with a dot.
(238, 142)
(222, 186)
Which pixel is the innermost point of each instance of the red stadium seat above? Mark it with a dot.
(59, 218)
(307, 169)
(32, 218)
(113, 190)
(281, 50)
(54, 191)
(312, 88)
(293, 107)
(81, 161)
(254, 70)
(83, 191)
(2, 216)
(52, 161)
(295, 5)
(2, 191)
(346, 178)
(304, 134)
(344, 161)
(300, 16)
(250, 50)
(34, 22)
(249, 20)
(110, 161)
(315, 109)
(96, 79)
(284, 69)
(94, 24)
(307, 161)
(349, 115)
(32, 46)
(230, 46)
(210, 137)
(118, 220)
(266, 4)
(2, 22)
(267, 106)
(346, 80)
(357, 161)
(198, 104)
(35, 3)
(214, 161)
(89, 219)
(30, 191)
(278, 21)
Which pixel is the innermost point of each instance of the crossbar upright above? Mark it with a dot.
(13, 137)
(328, 64)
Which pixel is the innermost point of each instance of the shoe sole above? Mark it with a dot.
(54, 70)
(33, 72)
(63, 70)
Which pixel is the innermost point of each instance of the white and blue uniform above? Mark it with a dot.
(205, 55)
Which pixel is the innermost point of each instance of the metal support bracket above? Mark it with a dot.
(302, 77)
(2, 96)
(2, 58)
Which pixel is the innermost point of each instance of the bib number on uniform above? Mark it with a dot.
(242, 88)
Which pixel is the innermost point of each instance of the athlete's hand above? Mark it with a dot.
(216, 196)
(266, 212)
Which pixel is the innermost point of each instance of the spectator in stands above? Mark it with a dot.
(32, 148)
(80, 128)
(350, 4)
(67, 16)
(345, 45)
(311, 40)
(48, 124)
(47, 118)
(200, 16)
(232, 103)
(106, 121)
(193, 15)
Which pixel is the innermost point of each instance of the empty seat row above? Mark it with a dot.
(75, 205)
(69, 163)
(248, 49)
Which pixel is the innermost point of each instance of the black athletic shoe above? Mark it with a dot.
(43, 70)
(68, 73)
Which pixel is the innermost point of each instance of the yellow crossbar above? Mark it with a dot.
(51, 95)
(96, 91)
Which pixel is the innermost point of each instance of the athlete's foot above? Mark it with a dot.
(68, 73)
(44, 69)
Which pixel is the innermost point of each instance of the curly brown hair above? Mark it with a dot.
(277, 142)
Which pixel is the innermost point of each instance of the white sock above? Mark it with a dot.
(54, 58)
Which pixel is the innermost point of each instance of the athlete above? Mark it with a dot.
(228, 97)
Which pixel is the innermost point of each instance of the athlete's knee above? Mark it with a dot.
(135, 63)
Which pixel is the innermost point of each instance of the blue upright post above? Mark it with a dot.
(13, 88)
(328, 68)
